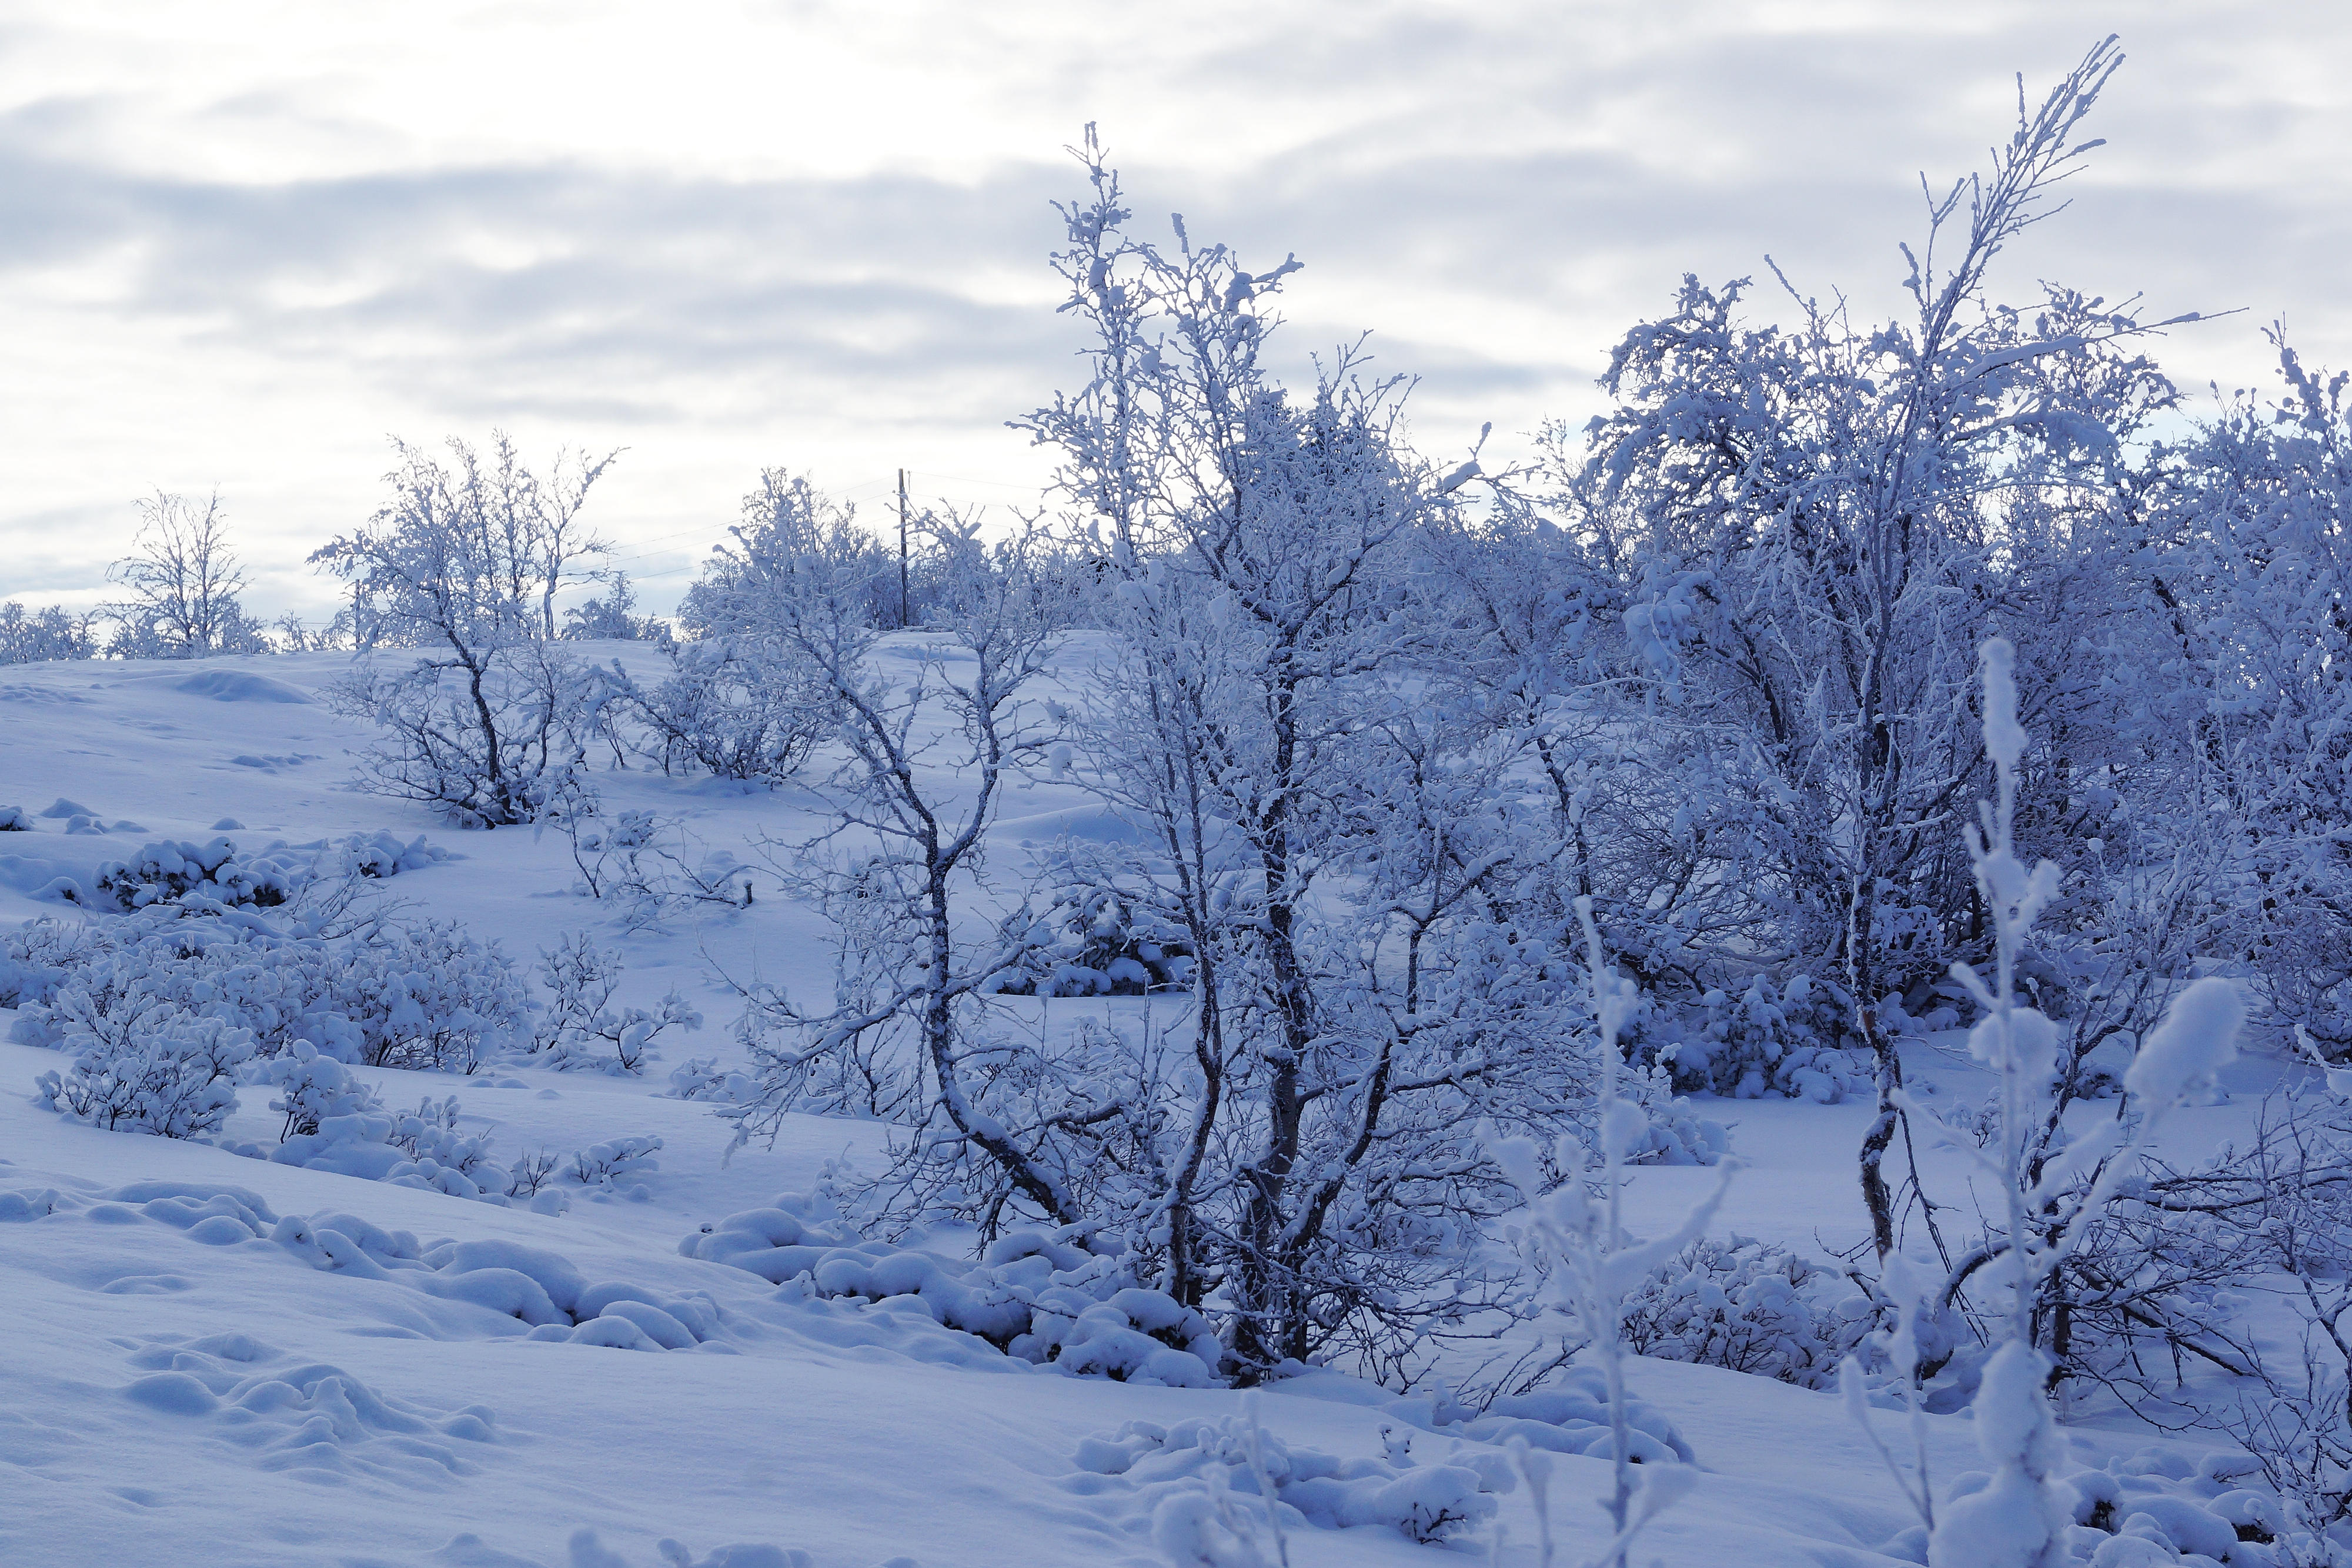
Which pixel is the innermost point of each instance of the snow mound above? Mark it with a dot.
(237, 686)
(313, 1417)
(1035, 1295)
(1572, 1417)
(1190, 1483)
(539, 1289)
(586, 1550)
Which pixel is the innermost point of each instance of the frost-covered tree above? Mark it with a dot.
(463, 565)
(182, 581)
(2245, 683)
(1820, 522)
(928, 755)
(26, 637)
(612, 615)
(1327, 846)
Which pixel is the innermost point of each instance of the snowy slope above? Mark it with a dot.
(187, 1381)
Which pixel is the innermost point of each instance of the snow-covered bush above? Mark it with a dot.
(169, 871)
(702, 1078)
(648, 866)
(384, 994)
(15, 820)
(428, 996)
(50, 634)
(1575, 1414)
(1182, 1470)
(740, 706)
(176, 1078)
(580, 1029)
(492, 738)
(610, 1163)
(1093, 943)
(375, 856)
(217, 875)
(439, 1155)
(314, 1088)
(1748, 1306)
(1037, 1294)
(36, 957)
(1789, 1041)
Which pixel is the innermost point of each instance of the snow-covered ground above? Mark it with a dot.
(187, 1379)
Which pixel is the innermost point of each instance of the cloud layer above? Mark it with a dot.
(815, 235)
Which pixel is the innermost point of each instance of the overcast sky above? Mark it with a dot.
(244, 242)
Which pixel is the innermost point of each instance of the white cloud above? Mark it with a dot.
(246, 241)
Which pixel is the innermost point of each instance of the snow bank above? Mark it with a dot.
(1035, 1295)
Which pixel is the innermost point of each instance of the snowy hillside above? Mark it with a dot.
(218, 1358)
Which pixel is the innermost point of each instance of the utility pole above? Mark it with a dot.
(903, 619)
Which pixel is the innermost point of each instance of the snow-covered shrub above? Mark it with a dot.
(15, 820)
(1748, 1306)
(464, 563)
(607, 1163)
(176, 1078)
(738, 706)
(171, 869)
(217, 874)
(1766, 1039)
(421, 1148)
(312, 1088)
(1094, 942)
(648, 866)
(50, 634)
(579, 1029)
(38, 956)
(527, 1174)
(1575, 1415)
(491, 739)
(385, 994)
(702, 1079)
(1674, 1133)
(1037, 1295)
(428, 996)
(439, 1155)
(375, 856)
(1178, 1468)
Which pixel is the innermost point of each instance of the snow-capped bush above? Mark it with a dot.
(1093, 943)
(440, 1157)
(740, 706)
(579, 1029)
(647, 866)
(386, 995)
(1765, 1040)
(429, 996)
(37, 957)
(1574, 1415)
(1038, 1294)
(176, 1078)
(314, 1088)
(1180, 1468)
(171, 869)
(375, 856)
(1748, 1306)
(702, 1078)
(15, 820)
(607, 1164)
